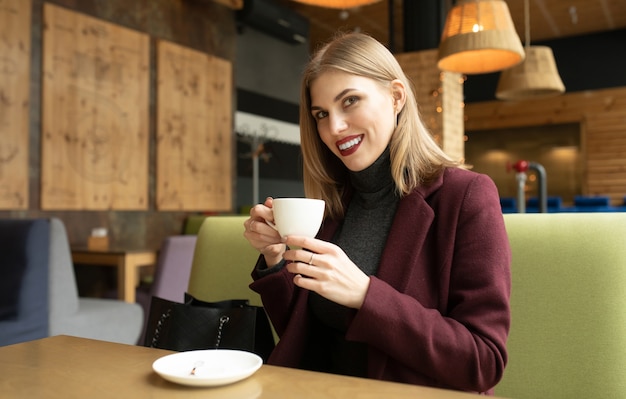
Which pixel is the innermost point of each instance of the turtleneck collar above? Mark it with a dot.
(374, 182)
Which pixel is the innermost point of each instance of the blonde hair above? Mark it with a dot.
(415, 156)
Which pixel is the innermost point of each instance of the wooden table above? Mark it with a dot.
(127, 262)
(69, 367)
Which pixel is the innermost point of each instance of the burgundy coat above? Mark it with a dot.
(437, 311)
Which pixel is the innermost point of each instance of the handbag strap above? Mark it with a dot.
(223, 320)
(157, 330)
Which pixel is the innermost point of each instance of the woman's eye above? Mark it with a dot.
(321, 115)
(350, 100)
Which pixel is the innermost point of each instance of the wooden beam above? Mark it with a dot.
(234, 4)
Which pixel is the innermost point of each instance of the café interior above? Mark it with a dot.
(136, 135)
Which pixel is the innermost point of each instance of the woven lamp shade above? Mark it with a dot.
(479, 37)
(339, 4)
(536, 77)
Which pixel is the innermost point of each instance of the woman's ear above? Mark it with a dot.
(398, 91)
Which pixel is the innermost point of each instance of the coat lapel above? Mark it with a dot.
(405, 241)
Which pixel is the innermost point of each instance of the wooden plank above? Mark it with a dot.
(194, 130)
(613, 191)
(95, 114)
(602, 134)
(15, 27)
(610, 123)
(608, 168)
(570, 107)
(614, 174)
(615, 182)
(593, 162)
(234, 4)
(611, 148)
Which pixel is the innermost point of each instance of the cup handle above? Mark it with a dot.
(271, 224)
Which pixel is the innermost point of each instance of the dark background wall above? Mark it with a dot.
(267, 76)
(587, 62)
(280, 165)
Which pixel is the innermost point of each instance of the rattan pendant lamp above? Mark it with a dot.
(339, 4)
(536, 77)
(479, 37)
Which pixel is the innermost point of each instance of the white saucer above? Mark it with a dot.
(212, 367)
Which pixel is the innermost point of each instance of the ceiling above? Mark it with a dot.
(549, 19)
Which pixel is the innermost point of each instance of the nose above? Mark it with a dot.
(338, 123)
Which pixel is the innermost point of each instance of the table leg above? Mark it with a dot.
(132, 263)
(130, 280)
(125, 280)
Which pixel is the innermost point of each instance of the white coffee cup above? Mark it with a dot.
(297, 216)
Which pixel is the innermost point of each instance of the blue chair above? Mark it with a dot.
(45, 301)
(554, 204)
(508, 204)
(24, 284)
(599, 203)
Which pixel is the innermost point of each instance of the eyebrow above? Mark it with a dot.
(337, 98)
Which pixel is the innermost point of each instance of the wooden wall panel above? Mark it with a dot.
(15, 26)
(602, 116)
(194, 130)
(95, 114)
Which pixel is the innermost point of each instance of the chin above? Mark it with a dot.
(356, 168)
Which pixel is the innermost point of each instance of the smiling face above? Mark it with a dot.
(355, 115)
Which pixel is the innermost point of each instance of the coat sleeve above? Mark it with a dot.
(277, 292)
(461, 342)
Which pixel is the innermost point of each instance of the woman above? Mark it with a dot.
(408, 279)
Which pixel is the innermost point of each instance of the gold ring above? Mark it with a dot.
(311, 260)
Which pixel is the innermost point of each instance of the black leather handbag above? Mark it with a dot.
(195, 324)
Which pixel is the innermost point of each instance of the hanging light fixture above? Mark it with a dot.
(340, 4)
(479, 37)
(536, 77)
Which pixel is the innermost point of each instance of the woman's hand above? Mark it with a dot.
(261, 236)
(325, 269)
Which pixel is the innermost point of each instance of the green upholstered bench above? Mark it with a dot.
(222, 262)
(568, 304)
(192, 224)
(568, 333)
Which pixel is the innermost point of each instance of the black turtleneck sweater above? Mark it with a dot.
(362, 237)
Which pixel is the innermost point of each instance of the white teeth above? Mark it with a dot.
(350, 143)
